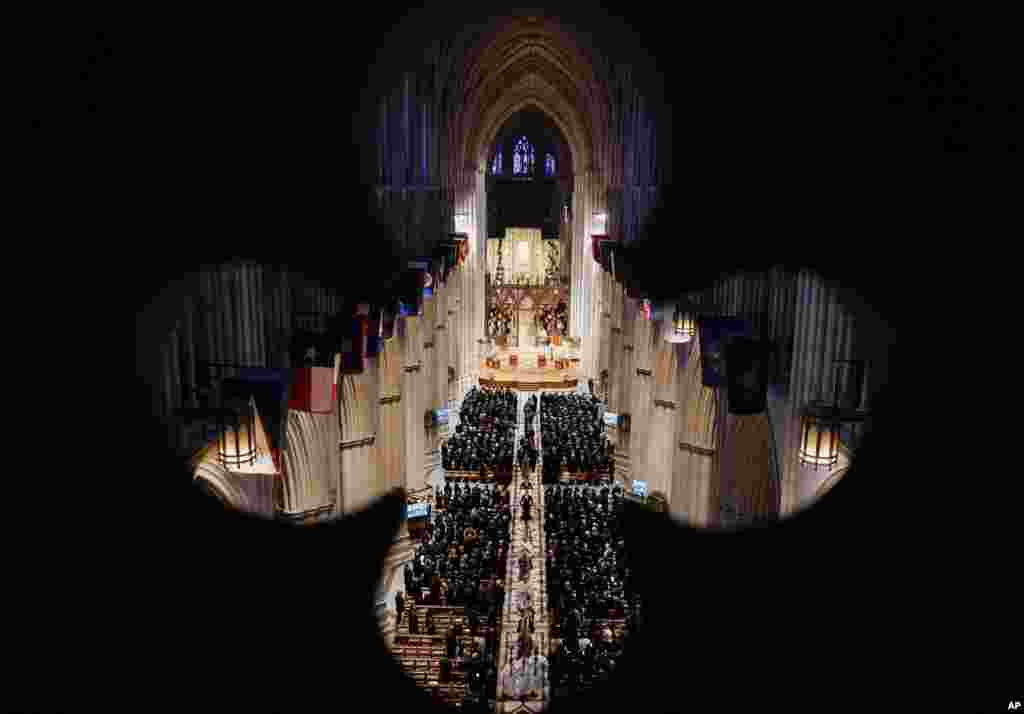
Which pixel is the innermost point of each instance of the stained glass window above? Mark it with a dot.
(549, 165)
(522, 160)
(496, 164)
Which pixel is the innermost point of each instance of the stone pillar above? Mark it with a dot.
(823, 334)
(626, 372)
(662, 443)
(357, 419)
(641, 393)
(413, 404)
(390, 432)
(581, 288)
(695, 468)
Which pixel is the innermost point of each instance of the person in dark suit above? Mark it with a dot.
(399, 607)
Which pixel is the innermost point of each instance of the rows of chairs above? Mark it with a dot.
(420, 655)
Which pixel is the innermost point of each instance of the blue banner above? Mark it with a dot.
(715, 332)
(747, 375)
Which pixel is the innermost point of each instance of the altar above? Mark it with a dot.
(530, 368)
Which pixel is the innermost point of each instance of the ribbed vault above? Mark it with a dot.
(532, 92)
(527, 62)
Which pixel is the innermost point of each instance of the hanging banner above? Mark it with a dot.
(715, 333)
(746, 375)
(353, 349)
(648, 312)
(312, 390)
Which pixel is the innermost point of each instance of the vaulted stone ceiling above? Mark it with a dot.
(532, 62)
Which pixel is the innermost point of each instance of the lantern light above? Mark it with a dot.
(685, 324)
(819, 441)
(462, 222)
(238, 446)
(600, 222)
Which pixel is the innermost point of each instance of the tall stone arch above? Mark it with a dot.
(537, 63)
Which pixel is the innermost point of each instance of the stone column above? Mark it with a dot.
(642, 385)
(582, 286)
(662, 443)
(694, 471)
(390, 432)
(626, 373)
(823, 334)
(357, 412)
(312, 464)
(413, 408)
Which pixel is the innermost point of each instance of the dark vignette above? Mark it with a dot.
(247, 136)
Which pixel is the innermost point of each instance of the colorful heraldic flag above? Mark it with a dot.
(313, 390)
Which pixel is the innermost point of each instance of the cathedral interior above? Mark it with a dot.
(569, 394)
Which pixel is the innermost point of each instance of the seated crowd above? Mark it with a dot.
(489, 407)
(461, 560)
(573, 436)
(461, 555)
(485, 436)
(588, 580)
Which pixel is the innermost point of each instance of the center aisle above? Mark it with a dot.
(523, 667)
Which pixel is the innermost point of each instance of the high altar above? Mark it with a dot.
(527, 314)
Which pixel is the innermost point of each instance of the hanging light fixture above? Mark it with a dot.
(819, 438)
(684, 322)
(238, 445)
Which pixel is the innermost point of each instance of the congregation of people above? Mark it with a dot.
(485, 436)
(462, 551)
(588, 580)
(573, 437)
(461, 561)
